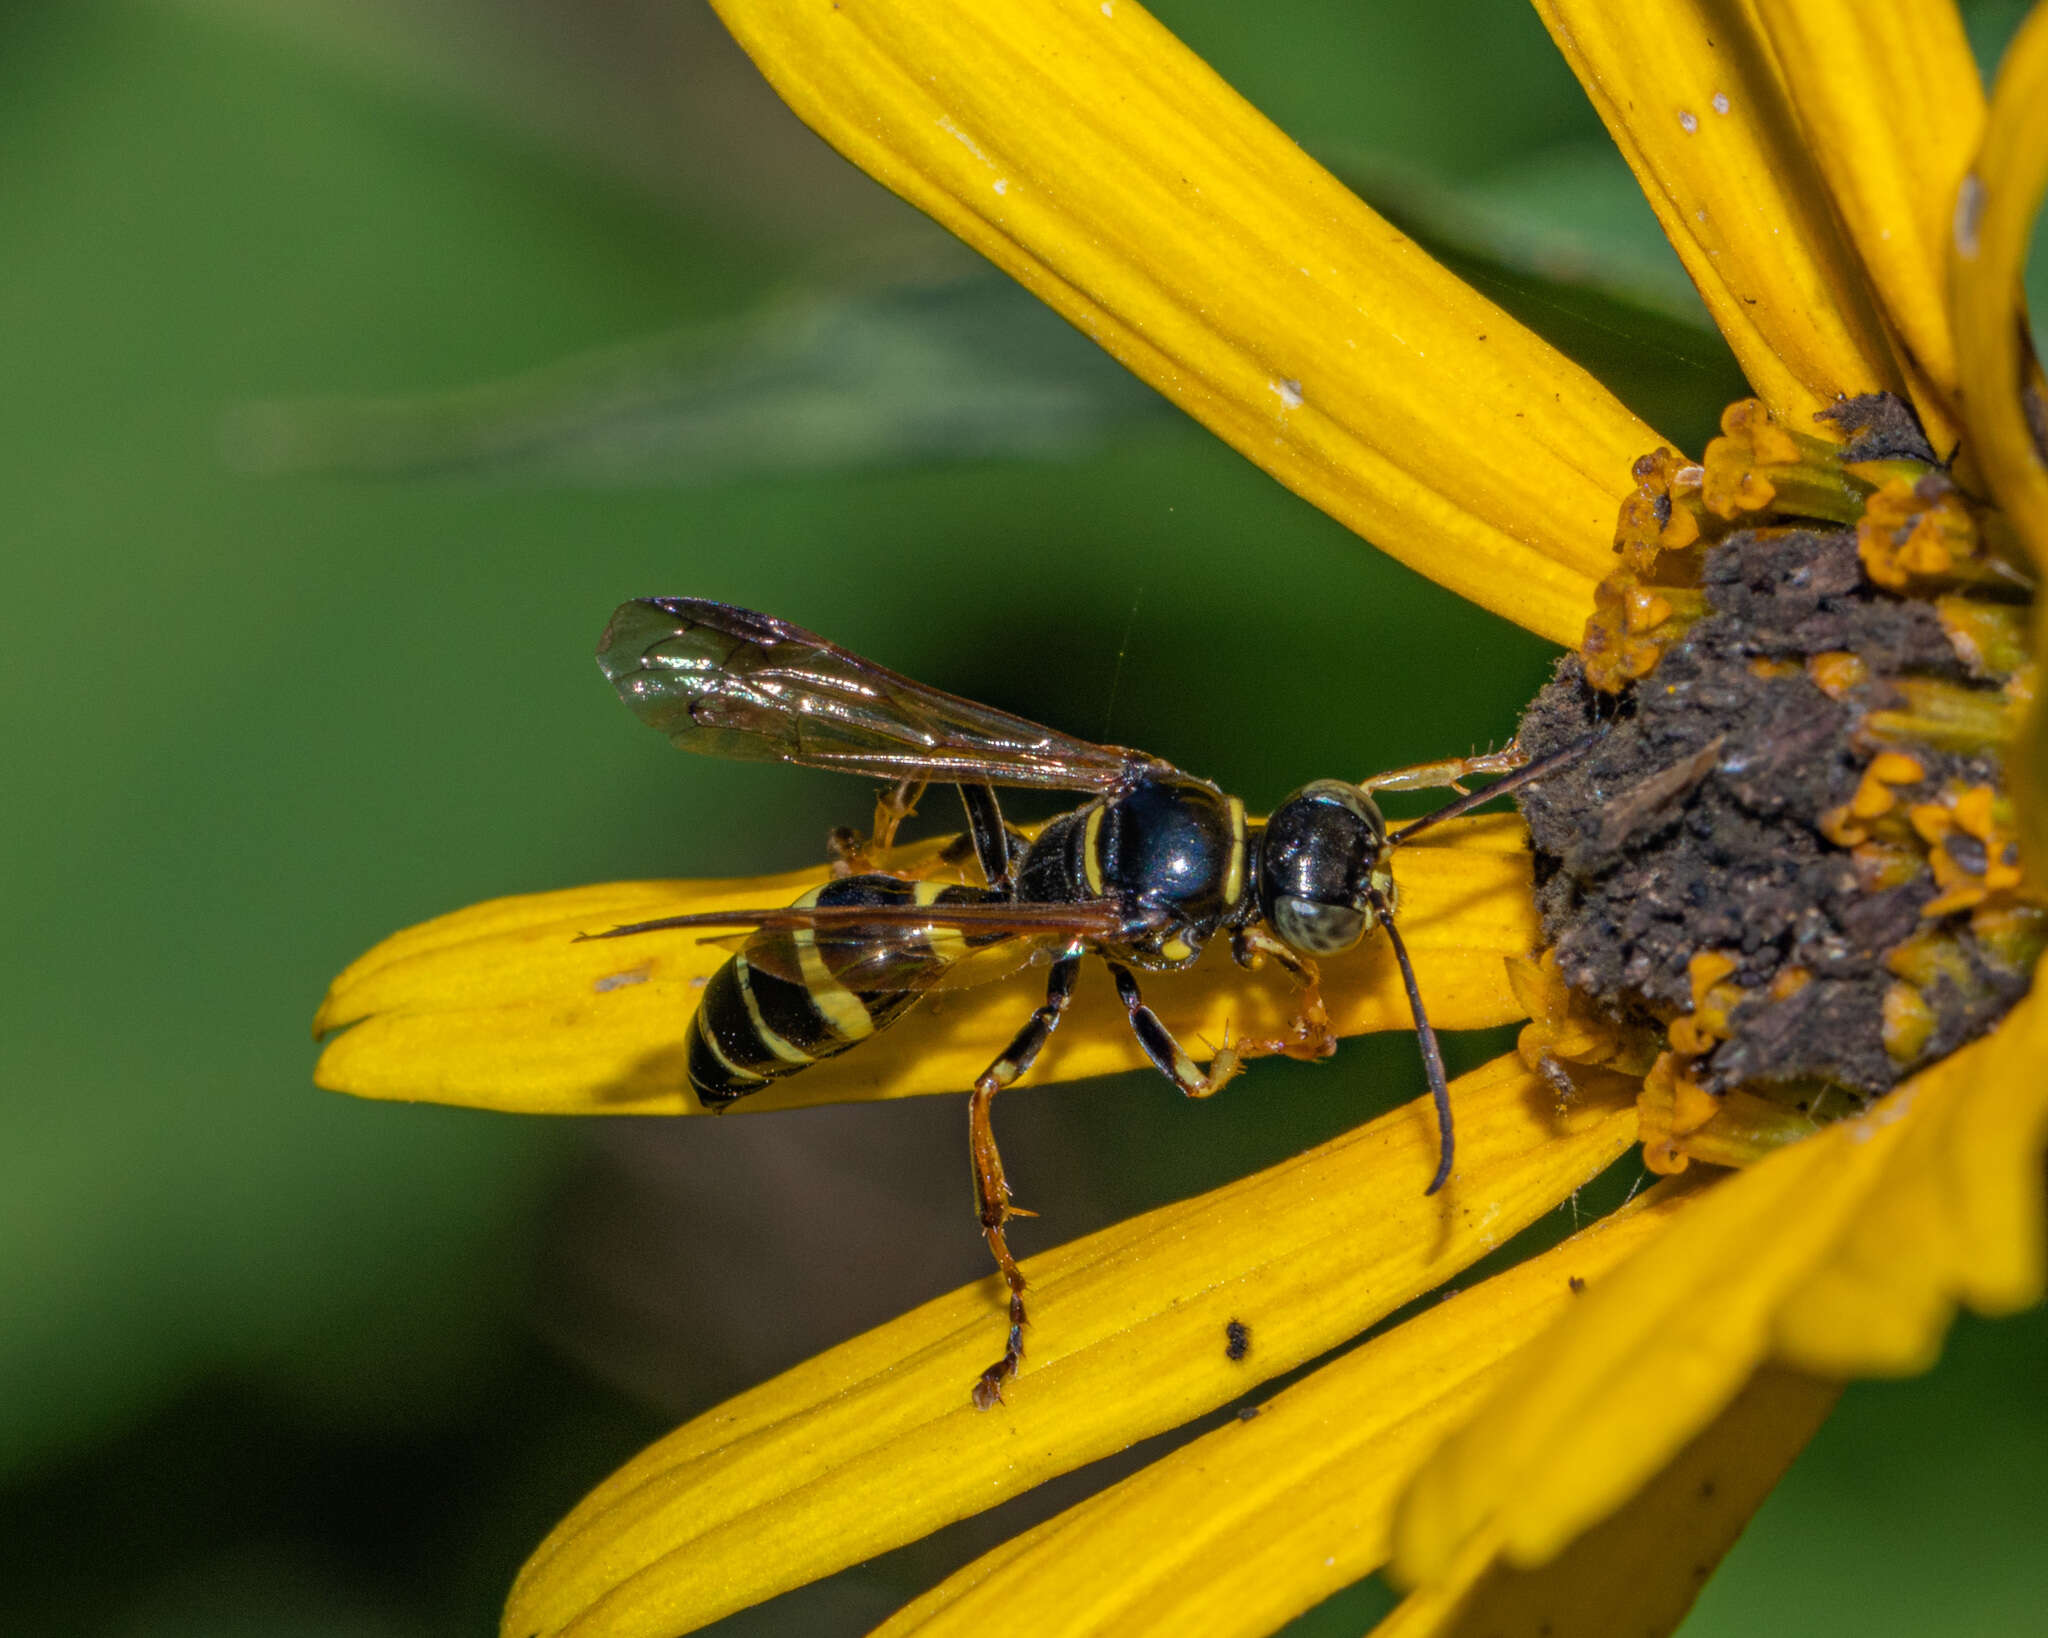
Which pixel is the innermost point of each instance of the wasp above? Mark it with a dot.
(1152, 866)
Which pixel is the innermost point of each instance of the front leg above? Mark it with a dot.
(1451, 772)
(1311, 1035)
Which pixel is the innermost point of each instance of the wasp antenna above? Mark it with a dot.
(1527, 774)
(1432, 1055)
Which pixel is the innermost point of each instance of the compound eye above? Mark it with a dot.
(1317, 929)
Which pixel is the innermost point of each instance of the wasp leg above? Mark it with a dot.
(991, 1189)
(851, 853)
(1311, 1035)
(961, 849)
(847, 852)
(991, 837)
(1522, 770)
(1424, 776)
(1168, 1054)
(892, 807)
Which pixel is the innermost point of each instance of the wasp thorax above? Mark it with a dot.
(1323, 881)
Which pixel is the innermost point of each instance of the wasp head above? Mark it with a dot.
(1323, 876)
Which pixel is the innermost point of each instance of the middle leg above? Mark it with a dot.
(1171, 1058)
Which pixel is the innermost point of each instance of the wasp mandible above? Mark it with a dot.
(1143, 874)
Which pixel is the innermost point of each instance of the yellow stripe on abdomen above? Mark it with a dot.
(836, 1004)
(788, 1051)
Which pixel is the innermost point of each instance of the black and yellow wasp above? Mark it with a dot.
(1143, 874)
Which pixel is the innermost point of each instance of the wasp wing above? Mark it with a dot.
(726, 681)
(898, 946)
(898, 962)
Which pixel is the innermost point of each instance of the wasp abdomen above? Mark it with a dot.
(794, 996)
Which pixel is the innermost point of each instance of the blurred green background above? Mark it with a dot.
(359, 358)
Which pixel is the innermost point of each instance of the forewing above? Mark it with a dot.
(899, 961)
(727, 681)
(898, 946)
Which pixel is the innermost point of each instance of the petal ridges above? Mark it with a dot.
(875, 1443)
(1089, 154)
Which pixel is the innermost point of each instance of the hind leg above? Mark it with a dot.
(991, 1188)
(853, 854)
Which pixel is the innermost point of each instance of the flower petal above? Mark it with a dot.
(875, 1443)
(1994, 221)
(1246, 1527)
(498, 1006)
(1692, 95)
(1891, 108)
(1956, 1215)
(1088, 153)
(1636, 1574)
(1845, 1253)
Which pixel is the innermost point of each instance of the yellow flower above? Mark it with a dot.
(1570, 1441)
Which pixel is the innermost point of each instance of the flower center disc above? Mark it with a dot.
(1791, 860)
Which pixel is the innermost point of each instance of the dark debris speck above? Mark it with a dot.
(1880, 426)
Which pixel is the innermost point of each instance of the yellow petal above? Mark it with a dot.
(875, 1443)
(1994, 222)
(498, 1006)
(1637, 1574)
(1692, 96)
(1090, 155)
(1845, 1253)
(1955, 1216)
(1246, 1527)
(1891, 109)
